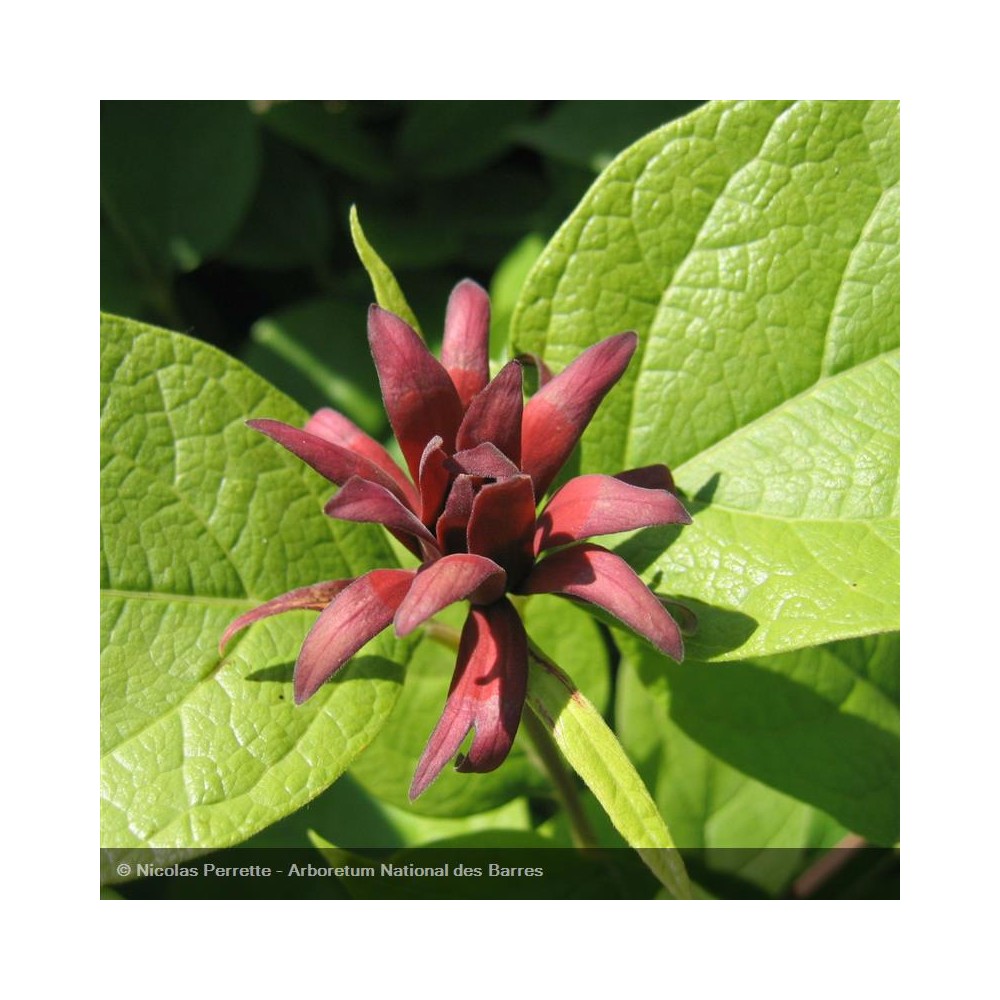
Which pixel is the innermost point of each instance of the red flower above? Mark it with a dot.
(480, 459)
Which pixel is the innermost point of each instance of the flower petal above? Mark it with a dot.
(332, 461)
(361, 500)
(556, 416)
(465, 351)
(593, 574)
(502, 525)
(452, 578)
(485, 460)
(601, 505)
(434, 477)
(336, 428)
(419, 396)
(453, 524)
(486, 693)
(357, 614)
(312, 598)
(494, 415)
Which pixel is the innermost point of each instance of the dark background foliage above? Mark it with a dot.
(229, 220)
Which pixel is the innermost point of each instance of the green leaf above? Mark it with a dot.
(596, 755)
(176, 177)
(201, 519)
(318, 352)
(505, 288)
(817, 725)
(388, 294)
(745, 829)
(352, 818)
(754, 247)
(801, 528)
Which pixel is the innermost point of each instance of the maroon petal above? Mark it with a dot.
(312, 598)
(332, 461)
(650, 477)
(434, 477)
(336, 428)
(558, 413)
(487, 693)
(419, 396)
(494, 415)
(485, 460)
(361, 500)
(356, 615)
(465, 351)
(502, 525)
(601, 505)
(452, 525)
(452, 578)
(598, 576)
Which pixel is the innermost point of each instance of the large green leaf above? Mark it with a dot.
(201, 520)
(755, 249)
(817, 726)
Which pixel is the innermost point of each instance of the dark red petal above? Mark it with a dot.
(465, 352)
(337, 429)
(494, 415)
(419, 396)
(487, 693)
(601, 505)
(356, 615)
(434, 477)
(650, 477)
(598, 576)
(485, 460)
(330, 460)
(361, 500)
(452, 578)
(452, 525)
(502, 525)
(556, 416)
(312, 598)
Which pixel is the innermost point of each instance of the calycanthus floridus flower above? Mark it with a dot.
(480, 459)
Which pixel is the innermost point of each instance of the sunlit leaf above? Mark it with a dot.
(201, 519)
